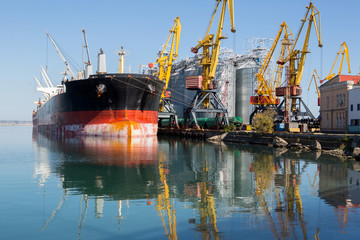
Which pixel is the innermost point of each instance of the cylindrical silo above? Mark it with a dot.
(245, 83)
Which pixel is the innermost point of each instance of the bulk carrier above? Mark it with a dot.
(101, 104)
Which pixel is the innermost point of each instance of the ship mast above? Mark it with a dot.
(121, 54)
(62, 57)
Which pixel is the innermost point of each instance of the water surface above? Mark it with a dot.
(167, 188)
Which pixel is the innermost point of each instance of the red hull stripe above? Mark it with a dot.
(120, 123)
(99, 117)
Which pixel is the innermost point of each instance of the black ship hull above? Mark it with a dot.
(106, 105)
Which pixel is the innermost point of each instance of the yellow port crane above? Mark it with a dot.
(206, 204)
(292, 91)
(206, 100)
(344, 51)
(265, 93)
(163, 205)
(315, 77)
(165, 61)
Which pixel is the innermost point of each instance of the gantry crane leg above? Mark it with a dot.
(168, 113)
(215, 106)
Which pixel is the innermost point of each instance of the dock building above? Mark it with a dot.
(354, 110)
(334, 103)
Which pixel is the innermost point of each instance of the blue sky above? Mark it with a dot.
(141, 26)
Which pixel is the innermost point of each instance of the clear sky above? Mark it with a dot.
(141, 26)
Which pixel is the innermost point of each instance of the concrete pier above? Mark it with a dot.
(327, 141)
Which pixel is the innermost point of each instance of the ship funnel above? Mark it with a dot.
(101, 63)
(88, 71)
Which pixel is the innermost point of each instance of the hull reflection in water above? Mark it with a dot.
(115, 168)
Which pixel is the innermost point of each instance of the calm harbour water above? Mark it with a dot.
(164, 188)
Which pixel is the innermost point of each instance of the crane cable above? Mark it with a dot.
(134, 86)
(321, 63)
(177, 99)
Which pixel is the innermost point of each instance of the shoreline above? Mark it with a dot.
(15, 124)
(340, 145)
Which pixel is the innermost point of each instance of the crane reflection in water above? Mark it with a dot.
(195, 186)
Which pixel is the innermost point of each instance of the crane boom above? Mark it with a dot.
(165, 62)
(296, 74)
(290, 110)
(206, 99)
(210, 58)
(344, 51)
(46, 77)
(87, 48)
(266, 88)
(61, 56)
(315, 77)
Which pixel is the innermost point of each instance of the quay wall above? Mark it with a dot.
(327, 141)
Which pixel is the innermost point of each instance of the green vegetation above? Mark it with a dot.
(229, 128)
(342, 146)
(264, 122)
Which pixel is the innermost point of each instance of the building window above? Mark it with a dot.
(351, 107)
(341, 122)
(327, 120)
(358, 107)
(327, 101)
(344, 99)
(340, 100)
(355, 122)
(337, 100)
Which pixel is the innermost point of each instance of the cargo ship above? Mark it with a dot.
(101, 104)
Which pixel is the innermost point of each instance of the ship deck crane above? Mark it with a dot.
(61, 56)
(87, 65)
(165, 61)
(292, 91)
(206, 99)
(265, 94)
(344, 51)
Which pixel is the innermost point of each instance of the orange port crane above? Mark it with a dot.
(265, 93)
(296, 60)
(344, 51)
(165, 61)
(206, 100)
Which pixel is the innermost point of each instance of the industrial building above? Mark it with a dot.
(354, 110)
(334, 103)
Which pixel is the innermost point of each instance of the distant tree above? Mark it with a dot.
(263, 122)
